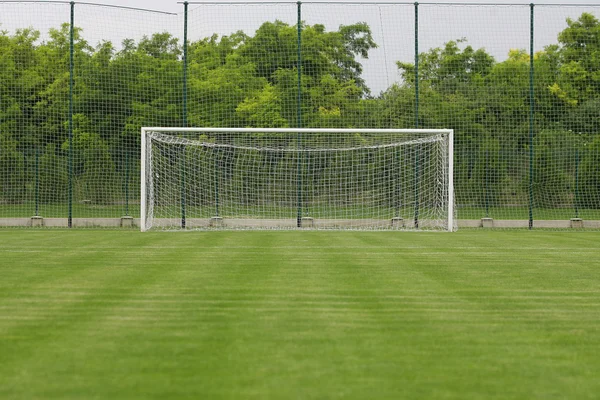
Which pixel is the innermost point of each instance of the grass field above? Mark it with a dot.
(299, 315)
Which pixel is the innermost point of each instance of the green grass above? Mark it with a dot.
(299, 315)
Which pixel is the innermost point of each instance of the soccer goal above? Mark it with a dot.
(275, 178)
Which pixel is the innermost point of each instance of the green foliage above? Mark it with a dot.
(580, 59)
(53, 175)
(93, 167)
(12, 171)
(450, 69)
(264, 110)
(488, 174)
(554, 176)
(251, 80)
(589, 175)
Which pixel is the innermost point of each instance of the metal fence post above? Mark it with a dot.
(71, 71)
(531, 114)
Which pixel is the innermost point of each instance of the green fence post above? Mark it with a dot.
(531, 115)
(71, 68)
(127, 182)
(417, 177)
(185, 62)
(487, 183)
(299, 118)
(397, 189)
(184, 113)
(577, 183)
(37, 180)
(216, 183)
(417, 65)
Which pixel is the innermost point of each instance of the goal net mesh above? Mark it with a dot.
(286, 180)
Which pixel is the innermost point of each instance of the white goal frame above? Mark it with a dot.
(451, 222)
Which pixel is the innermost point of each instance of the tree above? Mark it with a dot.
(93, 167)
(264, 110)
(274, 47)
(554, 163)
(12, 171)
(450, 69)
(579, 78)
(589, 175)
(53, 175)
(216, 91)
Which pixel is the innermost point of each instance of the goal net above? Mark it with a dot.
(233, 178)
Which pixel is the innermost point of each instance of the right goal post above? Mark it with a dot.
(292, 178)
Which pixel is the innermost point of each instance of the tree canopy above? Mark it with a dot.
(243, 80)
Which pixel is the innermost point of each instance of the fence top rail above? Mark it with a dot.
(89, 4)
(295, 130)
(383, 2)
(281, 2)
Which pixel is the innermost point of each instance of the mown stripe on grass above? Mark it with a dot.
(508, 315)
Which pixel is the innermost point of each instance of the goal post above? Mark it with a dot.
(297, 178)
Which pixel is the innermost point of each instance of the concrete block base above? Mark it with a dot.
(397, 222)
(216, 222)
(307, 222)
(37, 221)
(126, 222)
(487, 222)
(576, 223)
